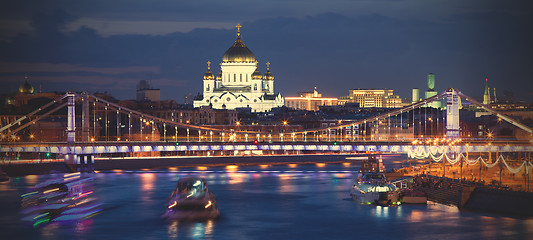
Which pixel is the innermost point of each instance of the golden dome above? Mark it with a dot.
(268, 75)
(219, 76)
(26, 88)
(256, 75)
(238, 52)
(209, 75)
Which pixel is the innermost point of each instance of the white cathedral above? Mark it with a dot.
(239, 83)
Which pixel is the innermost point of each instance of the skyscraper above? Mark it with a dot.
(431, 91)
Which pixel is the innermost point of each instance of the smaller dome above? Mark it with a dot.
(268, 75)
(26, 88)
(209, 75)
(256, 75)
(219, 76)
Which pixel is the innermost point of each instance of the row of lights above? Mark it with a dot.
(436, 141)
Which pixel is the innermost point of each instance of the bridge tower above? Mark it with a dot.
(79, 162)
(71, 118)
(452, 113)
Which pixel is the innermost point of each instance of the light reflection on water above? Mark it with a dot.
(264, 203)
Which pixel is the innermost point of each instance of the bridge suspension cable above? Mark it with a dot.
(502, 116)
(382, 124)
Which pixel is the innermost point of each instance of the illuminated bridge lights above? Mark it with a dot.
(393, 147)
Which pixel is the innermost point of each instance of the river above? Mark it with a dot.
(306, 201)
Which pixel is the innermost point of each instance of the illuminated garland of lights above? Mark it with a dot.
(421, 153)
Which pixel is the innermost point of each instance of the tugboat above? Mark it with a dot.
(371, 186)
(191, 201)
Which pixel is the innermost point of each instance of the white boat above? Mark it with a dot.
(191, 201)
(373, 188)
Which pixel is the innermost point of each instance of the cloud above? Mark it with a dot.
(95, 83)
(109, 27)
(331, 51)
(21, 67)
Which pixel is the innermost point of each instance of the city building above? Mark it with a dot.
(416, 95)
(431, 92)
(310, 101)
(26, 95)
(170, 110)
(239, 84)
(374, 98)
(145, 92)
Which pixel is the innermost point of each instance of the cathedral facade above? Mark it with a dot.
(239, 84)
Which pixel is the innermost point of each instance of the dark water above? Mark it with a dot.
(274, 202)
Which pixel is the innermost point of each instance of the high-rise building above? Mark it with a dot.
(431, 91)
(416, 95)
(239, 84)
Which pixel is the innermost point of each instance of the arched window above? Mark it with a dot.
(255, 87)
(234, 77)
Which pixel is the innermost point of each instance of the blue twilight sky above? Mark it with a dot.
(335, 45)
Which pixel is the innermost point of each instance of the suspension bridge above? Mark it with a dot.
(409, 130)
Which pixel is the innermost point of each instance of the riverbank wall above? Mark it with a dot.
(500, 201)
(475, 196)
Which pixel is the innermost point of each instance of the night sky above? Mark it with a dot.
(335, 45)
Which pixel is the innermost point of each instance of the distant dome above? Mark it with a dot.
(256, 75)
(219, 76)
(238, 53)
(26, 88)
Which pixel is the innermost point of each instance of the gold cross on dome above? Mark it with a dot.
(238, 26)
(208, 64)
(268, 65)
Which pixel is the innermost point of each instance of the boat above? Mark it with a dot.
(58, 200)
(191, 201)
(373, 188)
(372, 164)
